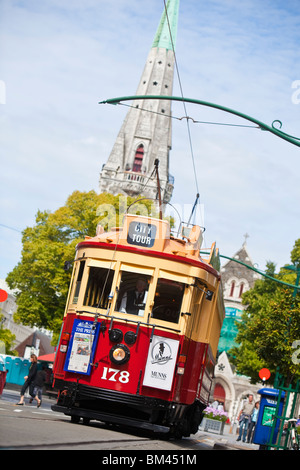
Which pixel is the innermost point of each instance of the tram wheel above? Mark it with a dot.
(75, 419)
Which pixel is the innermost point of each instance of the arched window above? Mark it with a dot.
(138, 159)
(232, 289)
(242, 285)
(219, 394)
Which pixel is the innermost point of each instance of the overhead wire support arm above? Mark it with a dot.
(265, 127)
(252, 268)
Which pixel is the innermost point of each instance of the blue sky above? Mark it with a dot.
(58, 59)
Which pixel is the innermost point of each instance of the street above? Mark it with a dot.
(28, 427)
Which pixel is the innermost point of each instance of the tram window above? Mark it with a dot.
(78, 282)
(133, 293)
(98, 287)
(168, 300)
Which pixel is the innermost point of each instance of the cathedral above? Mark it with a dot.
(229, 388)
(237, 279)
(145, 135)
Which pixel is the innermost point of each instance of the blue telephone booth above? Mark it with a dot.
(267, 409)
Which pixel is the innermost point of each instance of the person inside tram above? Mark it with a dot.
(133, 301)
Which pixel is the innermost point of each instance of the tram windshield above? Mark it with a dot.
(168, 300)
(98, 287)
(133, 293)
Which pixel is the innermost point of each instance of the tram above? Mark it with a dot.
(141, 327)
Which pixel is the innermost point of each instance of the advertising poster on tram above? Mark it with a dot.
(161, 363)
(82, 347)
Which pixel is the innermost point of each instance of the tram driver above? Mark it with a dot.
(133, 301)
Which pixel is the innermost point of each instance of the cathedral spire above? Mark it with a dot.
(167, 25)
(145, 134)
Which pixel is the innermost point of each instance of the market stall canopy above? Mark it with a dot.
(47, 357)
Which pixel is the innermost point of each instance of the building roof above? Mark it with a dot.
(237, 270)
(44, 346)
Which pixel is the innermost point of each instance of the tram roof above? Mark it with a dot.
(153, 237)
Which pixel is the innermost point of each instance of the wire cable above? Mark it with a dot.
(214, 123)
(181, 91)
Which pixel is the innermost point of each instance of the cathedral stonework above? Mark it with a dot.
(145, 135)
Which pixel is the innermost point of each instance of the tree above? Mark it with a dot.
(270, 325)
(6, 339)
(40, 279)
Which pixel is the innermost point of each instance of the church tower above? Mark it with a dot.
(146, 131)
(236, 279)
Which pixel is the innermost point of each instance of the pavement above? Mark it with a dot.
(225, 441)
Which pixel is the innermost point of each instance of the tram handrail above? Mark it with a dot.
(129, 320)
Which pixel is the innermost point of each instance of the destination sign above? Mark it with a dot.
(141, 234)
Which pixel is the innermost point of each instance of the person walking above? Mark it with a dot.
(39, 384)
(244, 417)
(29, 379)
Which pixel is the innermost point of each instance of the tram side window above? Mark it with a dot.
(98, 287)
(133, 293)
(78, 282)
(168, 300)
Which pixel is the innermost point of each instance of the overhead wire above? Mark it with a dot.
(181, 91)
(197, 201)
(11, 228)
(190, 118)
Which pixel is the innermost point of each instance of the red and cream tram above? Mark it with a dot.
(141, 329)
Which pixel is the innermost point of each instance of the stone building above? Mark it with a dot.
(7, 309)
(229, 388)
(145, 135)
(236, 279)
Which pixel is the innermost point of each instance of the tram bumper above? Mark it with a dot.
(91, 403)
(108, 418)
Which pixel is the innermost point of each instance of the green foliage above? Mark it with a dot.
(6, 339)
(40, 279)
(270, 324)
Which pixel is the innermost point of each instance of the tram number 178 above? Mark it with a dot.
(115, 375)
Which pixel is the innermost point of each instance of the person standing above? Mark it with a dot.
(252, 423)
(29, 379)
(244, 417)
(134, 301)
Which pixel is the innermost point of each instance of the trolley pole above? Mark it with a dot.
(158, 187)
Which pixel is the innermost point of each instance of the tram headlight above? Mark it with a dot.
(115, 335)
(130, 337)
(119, 354)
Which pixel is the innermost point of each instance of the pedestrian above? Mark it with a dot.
(244, 417)
(252, 423)
(39, 384)
(29, 379)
